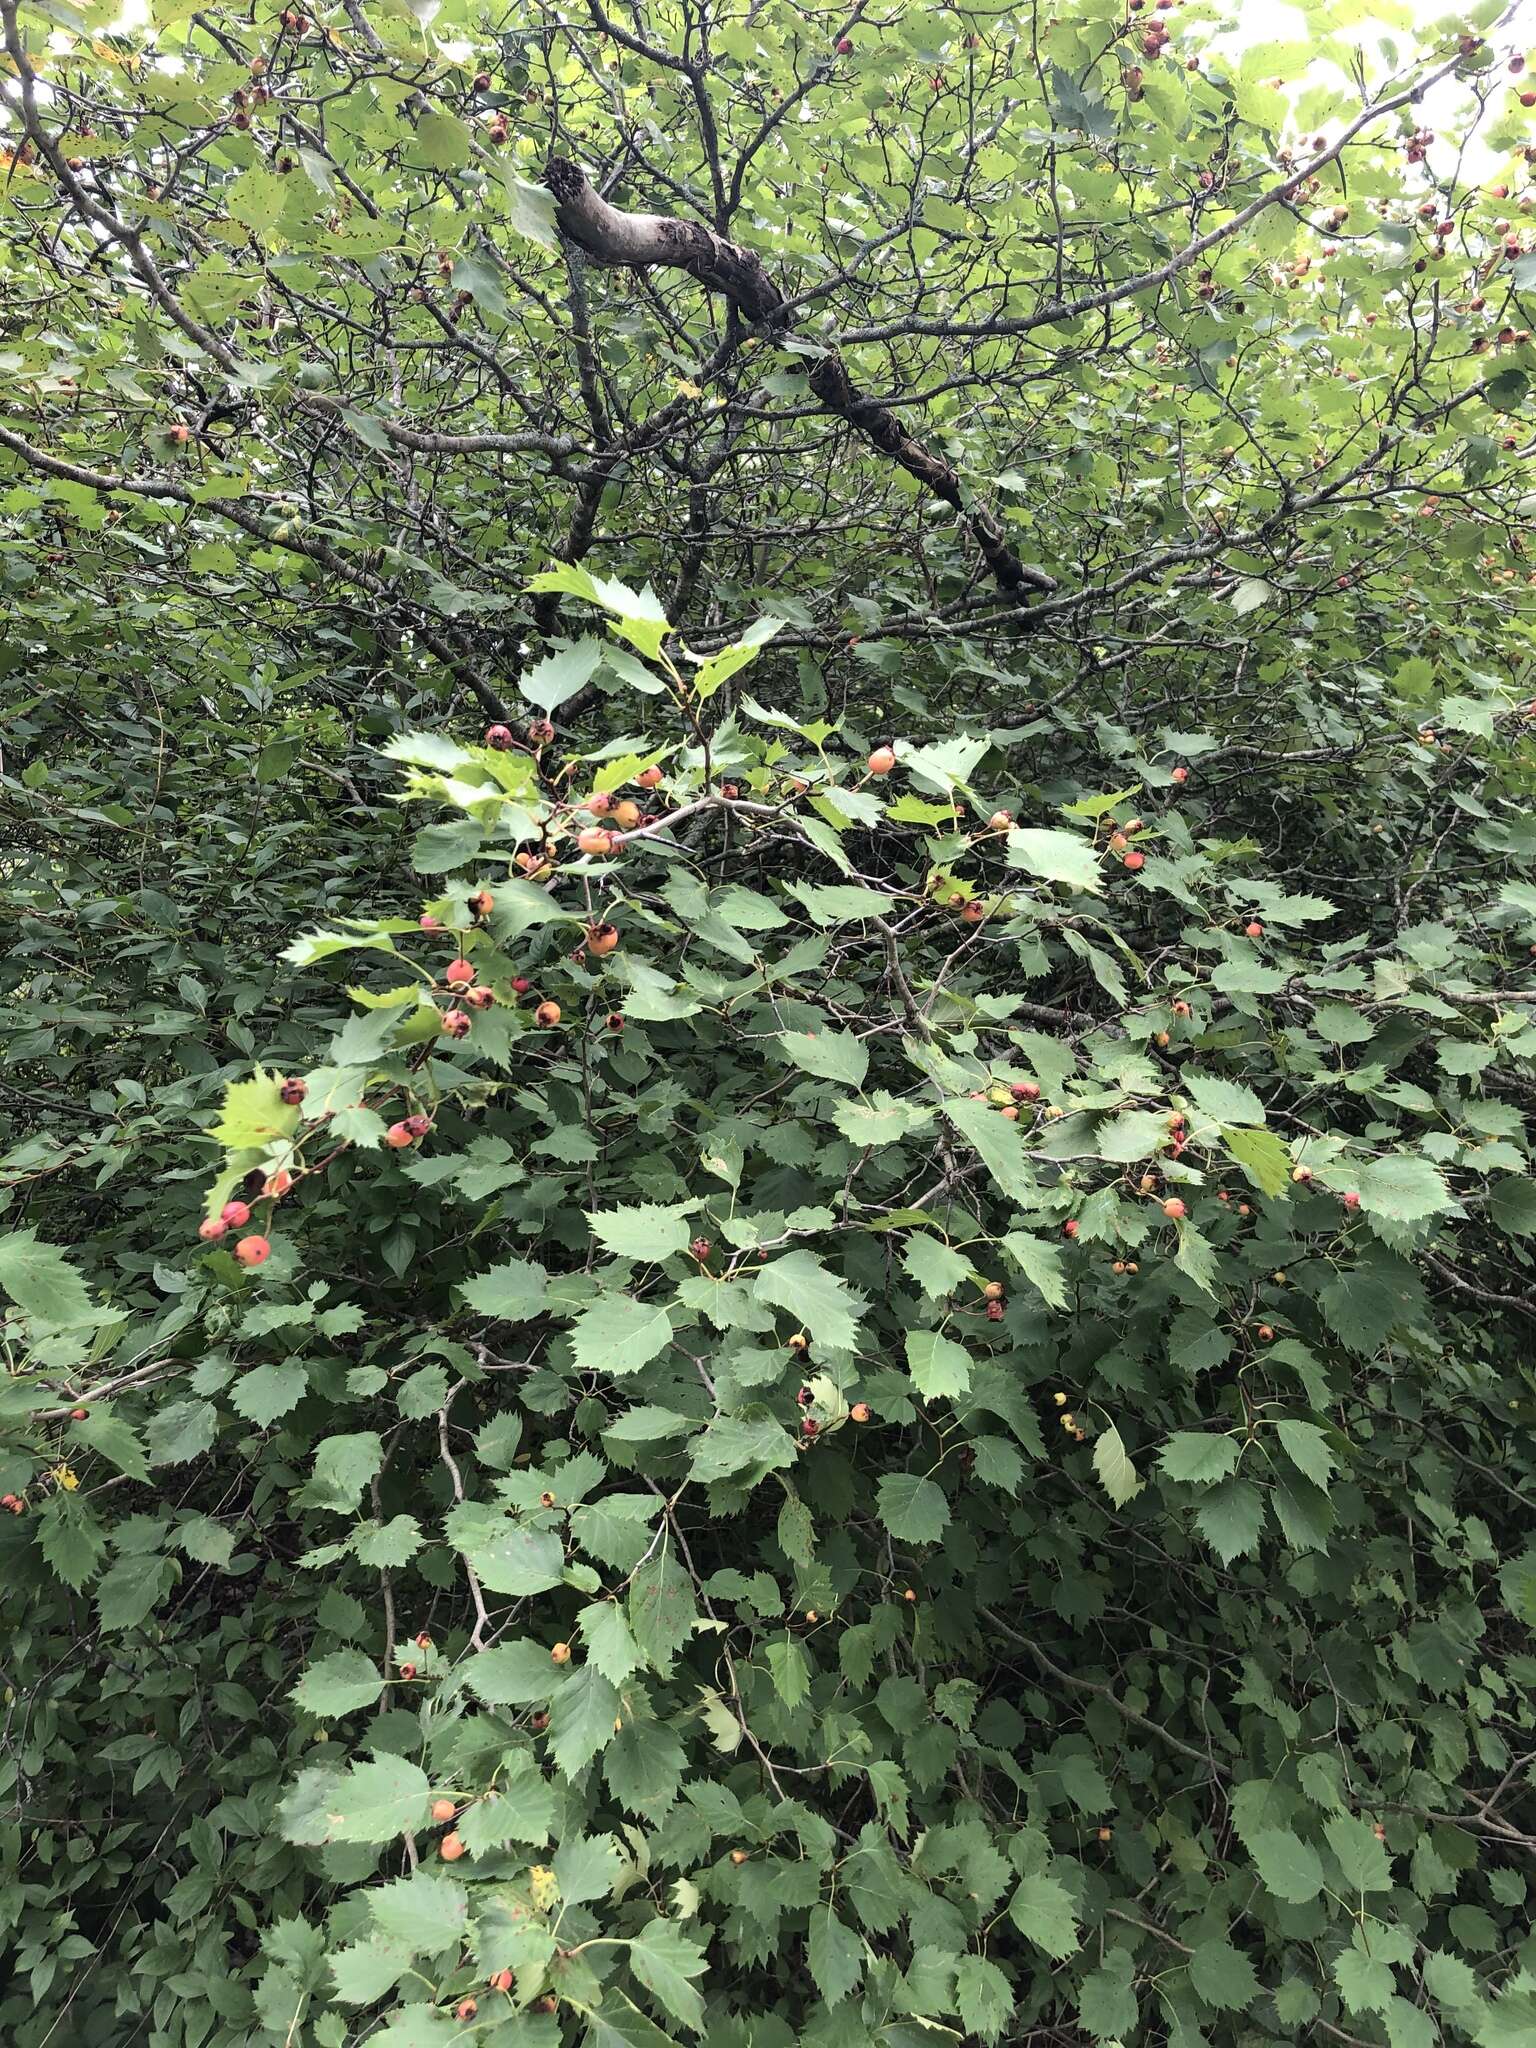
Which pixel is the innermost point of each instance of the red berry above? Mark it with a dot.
(253, 1251)
(235, 1214)
(521, 985)
(502, 1981)
(1134, 860)
(407, 1671)
(648, 778)
(429, 923)
(211, 1227)
(479, 998)
(1351, 1201)
(547, 1015)
(994, 1311)
(499, 737)
(1025, 1091)
(1181, 775)
(398, 1135)
(1173, 1209)
(882, 761)
(810, 1427)
(1253, 929)
(459, 973)
(78, 1414)
(845, 46)
(615, 1021)
(293, 1092)
(482, 81)
(1070, 1229)
(455, 1024)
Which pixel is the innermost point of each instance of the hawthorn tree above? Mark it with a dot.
(766, 828)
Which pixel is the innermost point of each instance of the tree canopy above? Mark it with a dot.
(765, 819)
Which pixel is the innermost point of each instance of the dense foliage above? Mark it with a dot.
(766, 833)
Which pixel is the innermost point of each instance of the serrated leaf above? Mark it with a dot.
(1042, 1910)
(1111, 1461)
(378, 1801)
(1289, 1867)
(617, 1335)
(1197, 1457)
(644, 1230)
(1230, 1519)
(912, 1508)
(42, 1282)
(940, 1368)
(339, 1684)
(830, 1055)
(1056, 857)
(834, 1955)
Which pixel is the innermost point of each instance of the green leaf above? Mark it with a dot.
(513, 1293)
(422, 1914)
(912, 1508)
(1289, 1867)
(1402, 1188)
(1056, 857)
(1111, 1461)
(940, 1368)
(444, 140)
(531, 210)
(1263, 1157)
(581, 1718)
(1230, 1518)
(42, 1283)
(1223, 1976)
(830, 1055)
(378, 1801)
(1307, 1448)
(1220, 1100)
(936, 1267)
(339, 1684)
(508, 1556)
(610, 1646)
(1196, 1457)
(254, 1114)
(1041, 1265)
(834, 1955)
(665, 1961)
(1043, 1912)
(821, 1302)
(789, 1670)
(983, 1998)
(645, 1230)
(1362, 1859)
(617, 1335)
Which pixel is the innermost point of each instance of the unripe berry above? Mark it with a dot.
(499, 737)
(993, 1290)
(560, 1654)
(1000, 820)
(444, 1809)
(276, 1185)
(1025, 1091)
(459, 973)
(1351, 1201)
(649, 778)
(465, 2009)
(626, 814)
(547, 1015)
(423, 1641)
(451, 1847)
(1253, 929)
(859, 1412)
(1181, 775)
(429, 923)
(479, 998)
(293, 1092)
(909, 1596)
(482, 903)
(593, 839)
(455, 1024)
(235, 1214)
(1265, 1334)
(882, 761)
(253, 1251)
(502, 1981)
(739, 1856)
(211, 1228)
(407, 1672)
(799, 1341)
(398, 1136)
(1173, 1209)
(602, 938)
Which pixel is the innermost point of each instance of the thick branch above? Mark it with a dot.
(649, 241)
